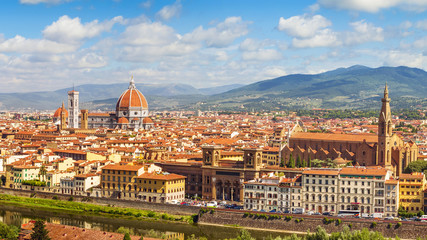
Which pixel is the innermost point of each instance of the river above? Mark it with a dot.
(14, 215)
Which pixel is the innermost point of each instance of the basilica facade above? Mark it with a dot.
(385, 149)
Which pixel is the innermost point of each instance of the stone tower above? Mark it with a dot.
(84, 119)
(73, 109)
(211, 155)
(385, 130)
(63, 119)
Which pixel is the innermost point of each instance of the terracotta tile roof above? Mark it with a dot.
(370, 138)
(156, 176)
(122, 167)
(64, 232)
(322, 172)
(363, 171)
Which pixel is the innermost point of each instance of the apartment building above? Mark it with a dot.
(118, 181)
(83, 182)
(367, 189)
(412, 191)
(24, 173)
(290, 196)
(319, 189)
(160, 187)
(261, 194)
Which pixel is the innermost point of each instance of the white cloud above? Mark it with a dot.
(422, 24)
(147, 33)
(146, 4)
(20, 44)
(71, 30)
(43, 1)
(364, 32)
(404, 58)
(303, 26)
(222, 35)
(323, 38)
(314, 7)
(170, 11)
(421, 43)
(375, 5)
(262, 55)
(254, 50)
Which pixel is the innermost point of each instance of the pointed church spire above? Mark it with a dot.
(386, 91)
(63, 107)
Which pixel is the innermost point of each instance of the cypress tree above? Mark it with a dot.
(298, 161)
(126, 237)
(39, 231)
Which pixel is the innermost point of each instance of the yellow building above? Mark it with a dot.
(24, 173)
(411, 191)
(270, 156)
(161, 187)
(118, 181)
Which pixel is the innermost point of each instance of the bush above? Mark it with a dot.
(212, 211)
(389, 225)
(151, 214)
(373, 224)
(299, 220)
(327, 221)
(55, 197)
(288, 218)
(71, 199)
(398, 225)
(350, 225)
(338, 222)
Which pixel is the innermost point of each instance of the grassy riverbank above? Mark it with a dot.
(88, 208)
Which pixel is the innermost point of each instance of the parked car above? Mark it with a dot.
(327, 214)
(310, 213)
(274, 210)
(389, 218)
(298, 211)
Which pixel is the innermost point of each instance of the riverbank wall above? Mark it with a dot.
(302, 223)
(156, 207)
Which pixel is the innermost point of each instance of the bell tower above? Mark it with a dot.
(385, 130)
(211, 155)
(73, 109)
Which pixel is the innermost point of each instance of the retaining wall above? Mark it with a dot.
(408, 230)
(157, 207)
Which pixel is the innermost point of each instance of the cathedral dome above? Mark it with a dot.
(123, 120)
(131, 98)
(147, 120)
(57, 113)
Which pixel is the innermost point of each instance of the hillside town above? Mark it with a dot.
(260, 161)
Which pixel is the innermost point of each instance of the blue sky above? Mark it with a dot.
(52, 44)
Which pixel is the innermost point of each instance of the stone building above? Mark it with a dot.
(385, 149)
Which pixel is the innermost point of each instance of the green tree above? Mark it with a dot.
(304, 163)
(42, 172)
(298, 164)
(39, 231)
(126, 236)
(282, 162)
(8, 232)
(291, 162)
(245, 235)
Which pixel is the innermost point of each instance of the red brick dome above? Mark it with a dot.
(57, 113)
(123, 120)
(132, 97)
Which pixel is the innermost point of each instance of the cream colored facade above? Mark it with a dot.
(320, 188)
(23, 173)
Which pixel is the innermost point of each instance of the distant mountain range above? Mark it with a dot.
(95, 94)
(356, 87)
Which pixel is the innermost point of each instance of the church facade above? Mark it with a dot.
(385, 149)
(131, 112)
